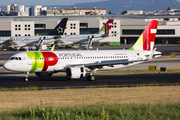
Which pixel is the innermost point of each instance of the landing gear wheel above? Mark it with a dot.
(25, 79)
(50, 74)
(68, 78)
(90, 78)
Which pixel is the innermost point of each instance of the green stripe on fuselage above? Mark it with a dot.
(37, 60)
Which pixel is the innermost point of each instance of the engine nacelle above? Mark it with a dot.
(43, 74)
(75, 72)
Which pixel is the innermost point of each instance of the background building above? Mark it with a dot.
(128, 27)
(74, 11)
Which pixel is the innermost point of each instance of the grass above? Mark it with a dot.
(11, 100)
(139, 71)
(30, 88)
(159, 111)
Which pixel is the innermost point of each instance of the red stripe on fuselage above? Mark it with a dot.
(50, 59)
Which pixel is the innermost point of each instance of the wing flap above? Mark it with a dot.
(103, 63)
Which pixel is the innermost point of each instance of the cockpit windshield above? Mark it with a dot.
(15, 58)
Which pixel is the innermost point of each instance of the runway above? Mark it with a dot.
(59, 82)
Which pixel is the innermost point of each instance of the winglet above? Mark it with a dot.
(52, 49)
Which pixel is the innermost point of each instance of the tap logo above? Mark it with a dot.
(42, 60)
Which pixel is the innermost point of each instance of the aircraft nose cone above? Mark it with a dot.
(7, 66)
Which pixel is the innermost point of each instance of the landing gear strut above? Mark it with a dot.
(26, 77)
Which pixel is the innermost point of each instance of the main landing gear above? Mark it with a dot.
(90, 77)
(26, 77)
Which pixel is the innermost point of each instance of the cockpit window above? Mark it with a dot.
(15, 58)
(12, 58)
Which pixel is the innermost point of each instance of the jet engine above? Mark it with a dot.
(43, 74)
(75, 72)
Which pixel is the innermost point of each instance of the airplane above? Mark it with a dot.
(80, 63)
(22, 41)
(87, 38)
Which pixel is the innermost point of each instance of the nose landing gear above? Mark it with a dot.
(26, 77)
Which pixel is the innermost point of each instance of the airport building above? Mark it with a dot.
(126, 27)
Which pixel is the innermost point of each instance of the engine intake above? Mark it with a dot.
(75, 72)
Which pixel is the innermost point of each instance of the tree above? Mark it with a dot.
(168, 9)
(124, 12)
(109, 12)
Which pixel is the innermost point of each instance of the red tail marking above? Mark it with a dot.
(108, 25)
(148, 35)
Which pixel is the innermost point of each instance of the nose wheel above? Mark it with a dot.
(26, 77)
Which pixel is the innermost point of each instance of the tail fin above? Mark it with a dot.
(53, 47)
(105, 29)
(147, 38)
(59, 29)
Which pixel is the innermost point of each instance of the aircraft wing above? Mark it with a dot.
(108, 35)
(110, 63)
(104, 63)
(9, 42)
(105, 35)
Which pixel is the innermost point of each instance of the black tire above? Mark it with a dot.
(68, 78)
(50, 74)
(25, 79)
(90, 78)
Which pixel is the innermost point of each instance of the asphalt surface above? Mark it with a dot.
(12, 79)
(58, 82)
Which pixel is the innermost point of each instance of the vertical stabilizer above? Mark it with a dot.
(105, 29)
(59, 29)
(147, 38)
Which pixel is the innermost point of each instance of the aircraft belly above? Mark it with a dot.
(50, 68)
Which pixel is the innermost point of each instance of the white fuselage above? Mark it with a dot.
(79, 39)
(27, 40)
(60, 60)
